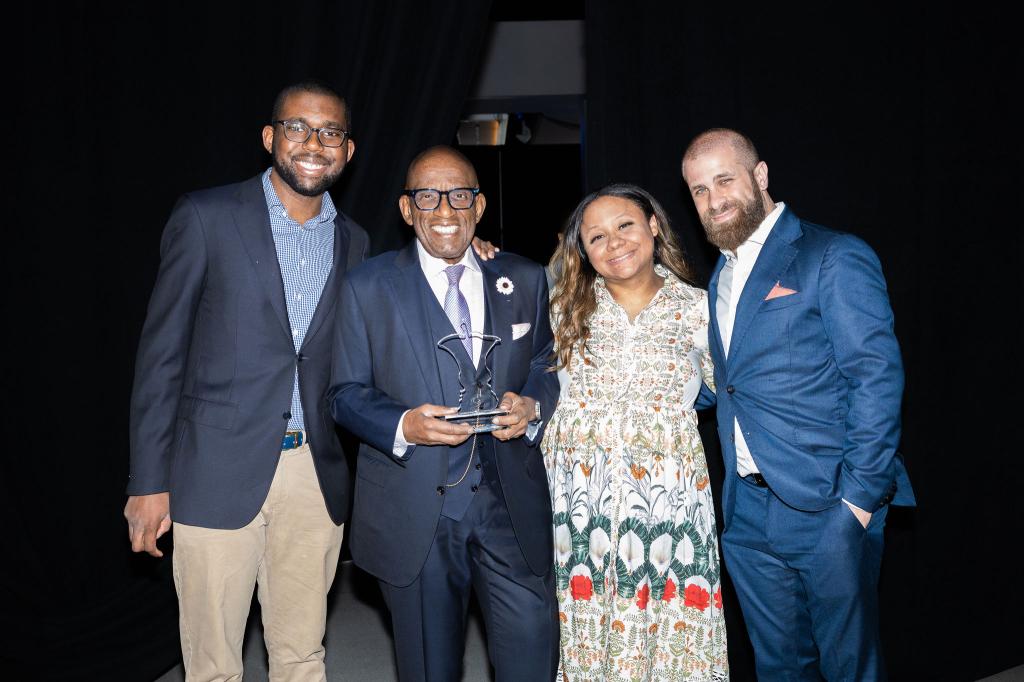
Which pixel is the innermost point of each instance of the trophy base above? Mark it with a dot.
(478, 419)
(487, 428)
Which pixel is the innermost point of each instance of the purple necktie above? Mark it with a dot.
(456, 308)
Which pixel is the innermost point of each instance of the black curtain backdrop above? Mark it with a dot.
(119, 109)
(896, 124)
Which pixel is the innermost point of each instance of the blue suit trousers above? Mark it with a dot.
(477, 552)
(808, 587)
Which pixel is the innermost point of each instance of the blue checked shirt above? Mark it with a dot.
(305, 253)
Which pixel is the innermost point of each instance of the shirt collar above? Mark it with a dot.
(432, 266)
(755, 241)
(327, 210)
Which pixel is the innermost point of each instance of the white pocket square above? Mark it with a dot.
(519, 330)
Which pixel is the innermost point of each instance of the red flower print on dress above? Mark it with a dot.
(581, 587)
(643, 595)
(718, 598)
(697, 597)
(670, 591)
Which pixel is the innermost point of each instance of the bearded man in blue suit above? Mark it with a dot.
(440, 511)
(809, 381)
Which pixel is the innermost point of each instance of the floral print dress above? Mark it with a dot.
(636, 552)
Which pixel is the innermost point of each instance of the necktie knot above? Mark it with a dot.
(454, 273)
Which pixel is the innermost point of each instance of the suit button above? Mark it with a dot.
(440, 490)
(474, 488)
(478, 466)
(732, 437)
(287, 415)
(300, 357)
(730, 390)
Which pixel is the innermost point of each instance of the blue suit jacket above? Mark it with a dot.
(216, 363)
(814, 378)
(386, 364)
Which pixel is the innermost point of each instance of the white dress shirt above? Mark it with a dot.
(743, 264)
(471, 285)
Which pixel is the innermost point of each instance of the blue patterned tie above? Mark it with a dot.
(456, 308)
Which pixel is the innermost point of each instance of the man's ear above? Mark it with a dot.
(479, 205)
(268, 138)
(405, 208)
(761, 175)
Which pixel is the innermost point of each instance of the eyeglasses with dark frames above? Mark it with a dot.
(297, 131)
(427, 199)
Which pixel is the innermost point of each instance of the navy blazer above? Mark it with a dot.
(385, 363)
(814, 378)
(216, 363)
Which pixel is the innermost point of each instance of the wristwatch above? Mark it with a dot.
(536, 410)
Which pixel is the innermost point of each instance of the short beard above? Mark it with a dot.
(292, 179)
(728, 236)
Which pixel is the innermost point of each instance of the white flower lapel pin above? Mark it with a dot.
(505, 286)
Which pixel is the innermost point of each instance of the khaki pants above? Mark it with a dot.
(290, 550)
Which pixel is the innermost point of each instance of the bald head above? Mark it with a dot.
(440, 177)
(714, 139)
(440, 155)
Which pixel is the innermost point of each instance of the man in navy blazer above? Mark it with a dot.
(809, 383)
(440, 511)
(230, 436)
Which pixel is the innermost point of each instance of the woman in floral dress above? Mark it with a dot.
(636, 552)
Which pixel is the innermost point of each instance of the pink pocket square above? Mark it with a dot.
(778, 292)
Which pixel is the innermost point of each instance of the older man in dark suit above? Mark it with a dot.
(440, 510)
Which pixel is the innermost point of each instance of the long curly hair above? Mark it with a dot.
(573, 301)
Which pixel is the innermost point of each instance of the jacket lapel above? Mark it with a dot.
(773, 261)
(252, 220)
(327, 298)
(497, 321)
(407, 283)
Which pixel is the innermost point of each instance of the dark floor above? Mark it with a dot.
(359, 639)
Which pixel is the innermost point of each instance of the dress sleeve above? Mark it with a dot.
(700, 337)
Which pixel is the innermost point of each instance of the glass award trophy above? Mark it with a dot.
(478, 403)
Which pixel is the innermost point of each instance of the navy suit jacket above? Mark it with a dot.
(216, 363)
(386, 363)
(814, 378)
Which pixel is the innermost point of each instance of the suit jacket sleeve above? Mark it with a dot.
(542, 382)
(163, 350)
(370, 414)
(859, 323)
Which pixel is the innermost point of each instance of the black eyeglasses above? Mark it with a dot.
(297, 131)
(428, 199)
